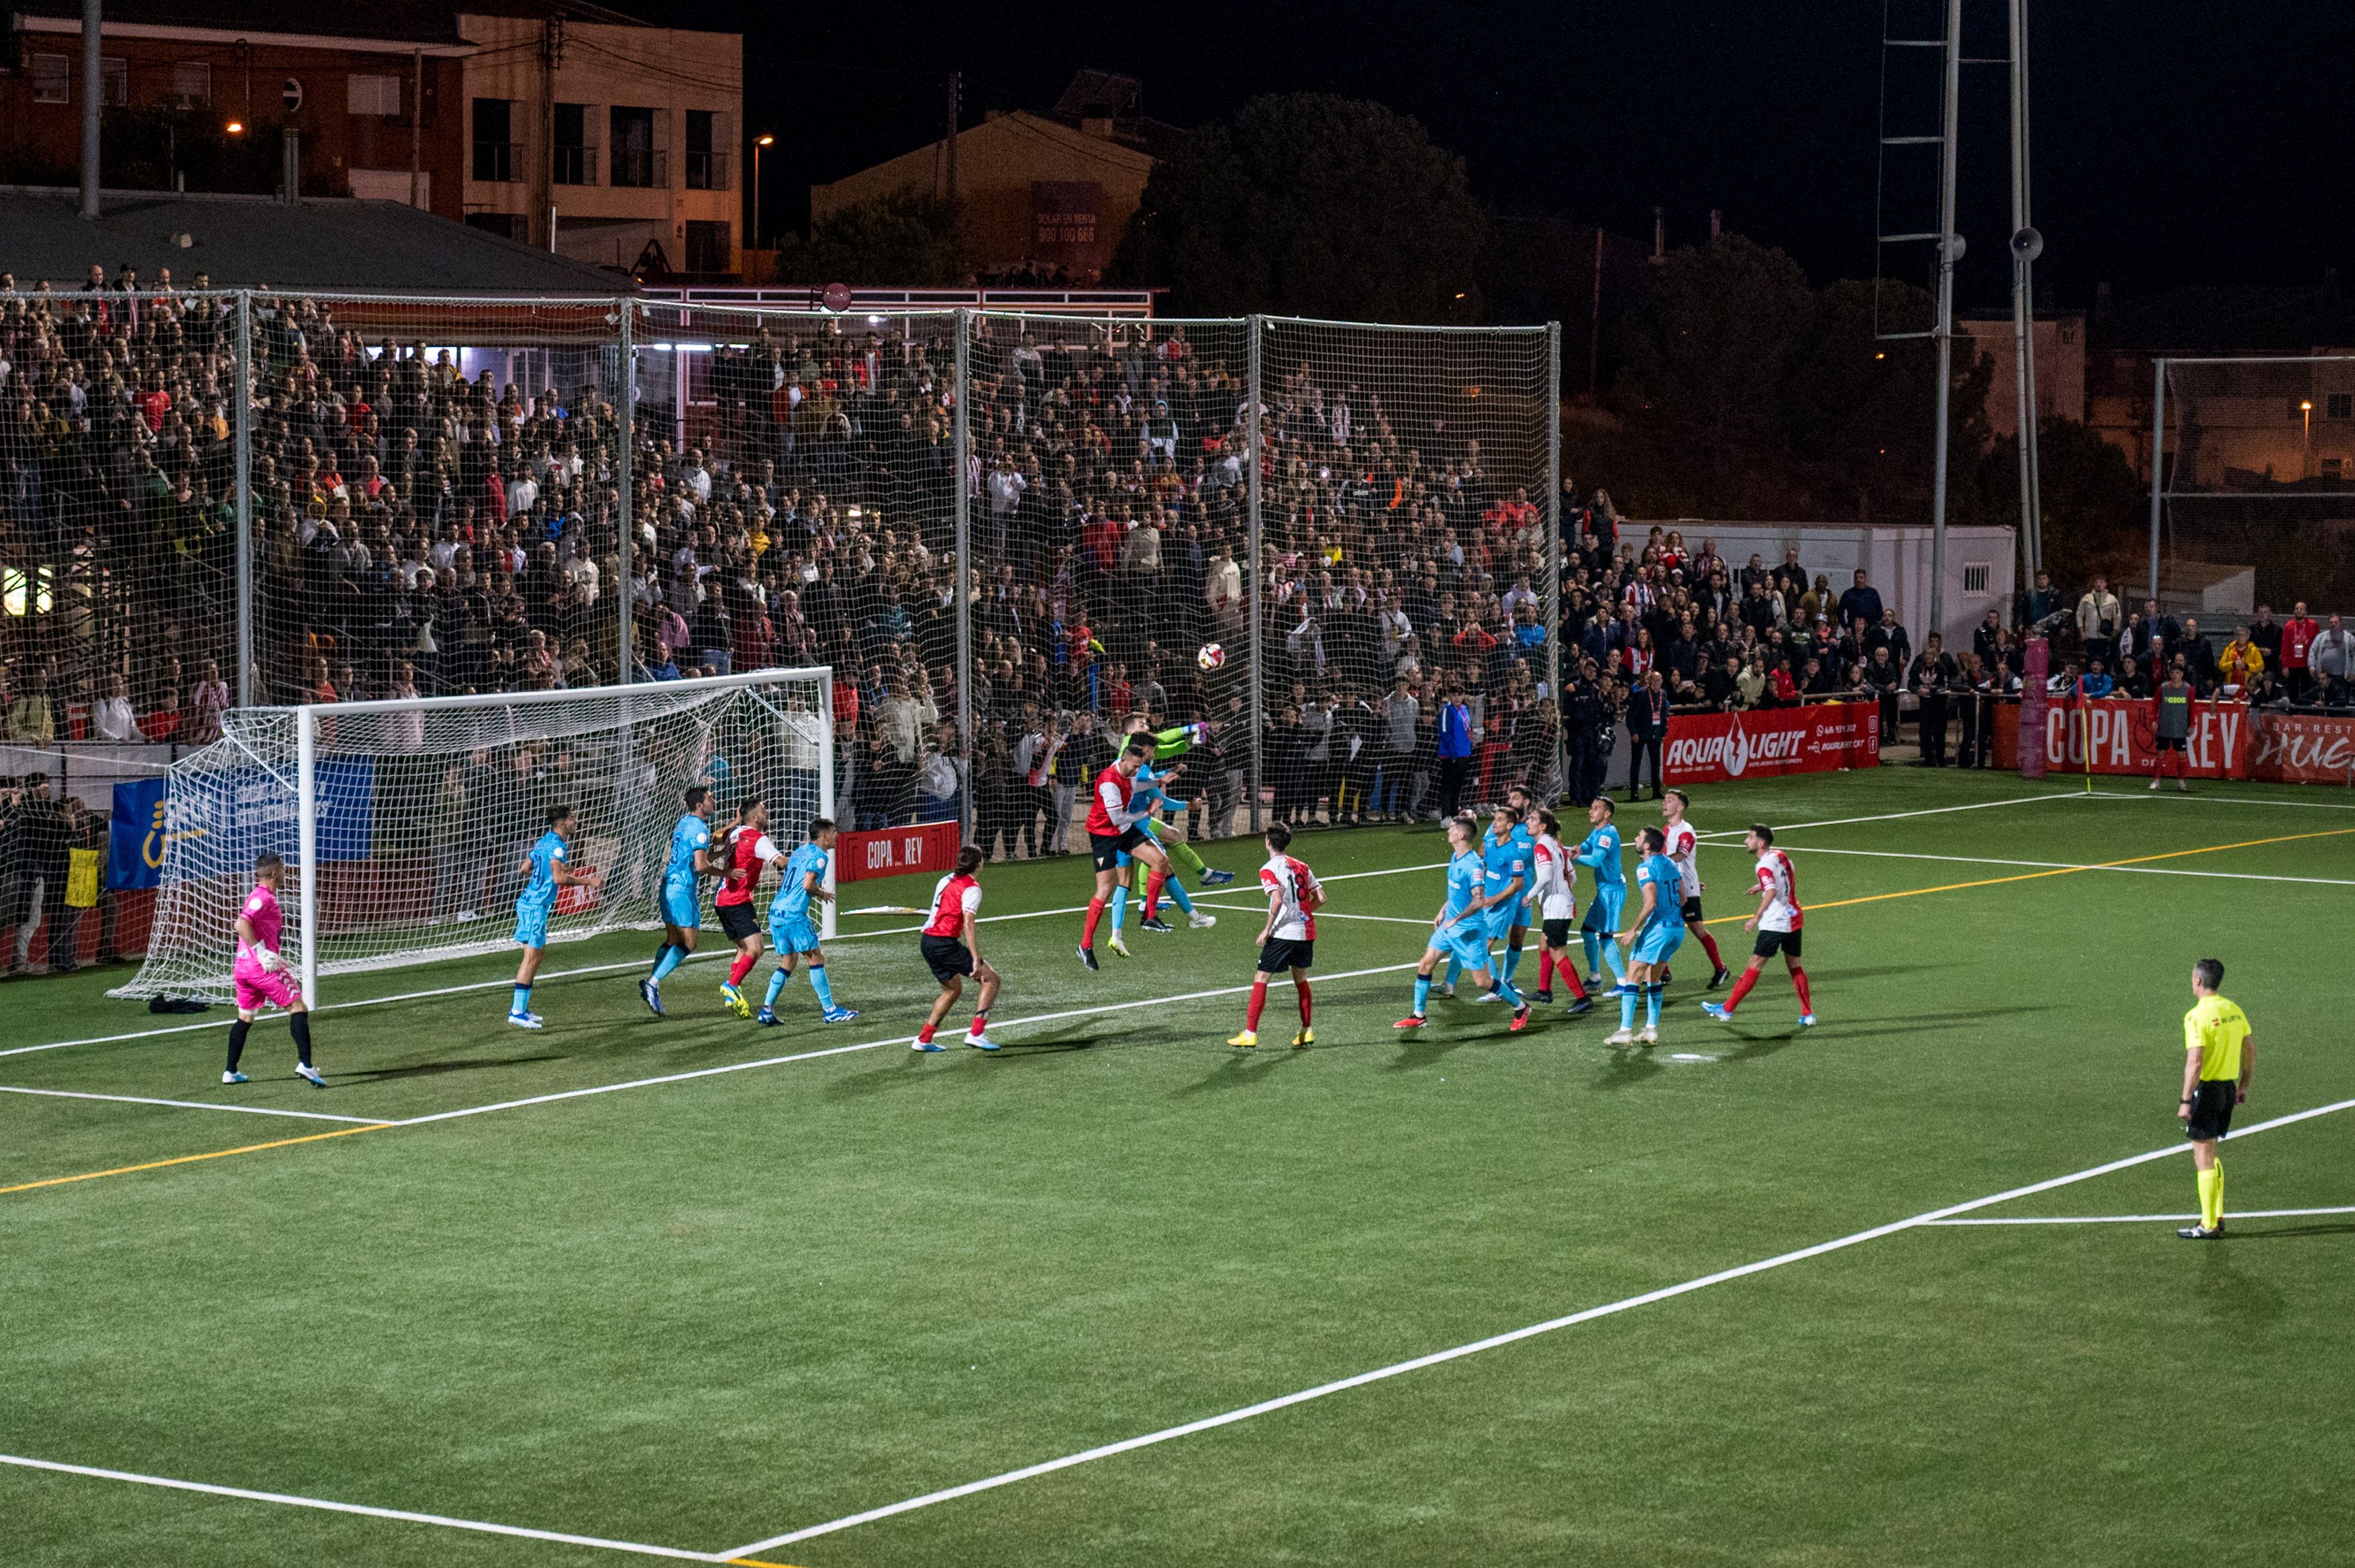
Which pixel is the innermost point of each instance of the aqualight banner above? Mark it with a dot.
(1709, 748)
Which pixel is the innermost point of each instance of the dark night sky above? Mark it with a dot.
(2176, 141)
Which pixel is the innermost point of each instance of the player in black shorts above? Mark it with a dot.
(957, 901)
(1288, 939)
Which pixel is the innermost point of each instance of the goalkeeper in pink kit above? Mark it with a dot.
(259, 973)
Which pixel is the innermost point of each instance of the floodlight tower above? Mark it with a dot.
(2026, 245)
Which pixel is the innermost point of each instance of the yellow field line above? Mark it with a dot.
(192, 1159)
(2070, 870)
(758, 1563)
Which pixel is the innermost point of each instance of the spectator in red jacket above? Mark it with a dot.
(2297, 635)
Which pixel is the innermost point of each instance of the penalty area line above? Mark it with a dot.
(2135, 1219)
(190, 1105)
(1437, 1358)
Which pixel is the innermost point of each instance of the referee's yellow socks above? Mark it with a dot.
(2211, 1195)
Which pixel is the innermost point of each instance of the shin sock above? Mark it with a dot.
(1455, 971)
(1258, 1004)
(741, 966)
(1611, 960)
(1741, 988)
(1177, 895)
(1153, 893)
(672, 958)
(237, 1033)
(661, 951)
(1119, 908)
(778, 979)
(1095, 913)
(1422, 993)
(1626, 1010)
(1799, 984)
(1302, 987)
(824, 986)
(1708, 946)
(1594, 945)
(1183, 854)
(1512, 961)
(522, 1001)
(301, 1025)
(1652, 1004)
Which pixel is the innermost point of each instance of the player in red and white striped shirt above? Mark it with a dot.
(1114, 829)
(1777, 923)
(952, 946)
(1288, 940)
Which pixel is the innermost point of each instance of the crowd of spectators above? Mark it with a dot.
(419, 531)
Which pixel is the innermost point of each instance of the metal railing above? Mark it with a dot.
(707, 171)
(498, 163)
(639, 168)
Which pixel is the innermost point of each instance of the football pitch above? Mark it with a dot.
(693, 1289)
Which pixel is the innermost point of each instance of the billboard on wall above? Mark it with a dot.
(2121, 736)
(1709, 748)
(1065, 220)
(2304, 748)
(896, 851)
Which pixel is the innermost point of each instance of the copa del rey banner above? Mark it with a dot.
(2121, 736)
(1709, 748)
(894, 851)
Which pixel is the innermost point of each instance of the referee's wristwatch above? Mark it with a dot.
(2184, 1101)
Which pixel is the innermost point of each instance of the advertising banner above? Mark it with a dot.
(2304, 748)
(134, 836)
(250, 809)
(1709, 748)
(896, 851)
(2123, 737)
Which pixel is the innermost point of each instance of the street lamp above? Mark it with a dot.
(757, 145)
(2305, 413)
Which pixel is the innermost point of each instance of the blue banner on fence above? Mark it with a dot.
(134, 836)
(250, 811)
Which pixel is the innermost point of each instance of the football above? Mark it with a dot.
(1211, 656)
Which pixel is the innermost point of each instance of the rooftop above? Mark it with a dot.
(332, 244)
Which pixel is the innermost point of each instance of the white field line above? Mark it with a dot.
(1399, 1369)
(1935, 1217)
(2063, 866)
(2177, 795)
(716, 952)
(403, 1515)
(2141, 1219)
(901, 1040)
(191, 1105)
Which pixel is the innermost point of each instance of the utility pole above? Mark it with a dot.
(2026, 245)
(543, 154)
(956, 109)
(416, 129)
(92, 81)
(1950, 250)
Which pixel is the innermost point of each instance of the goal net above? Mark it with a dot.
(404, 823)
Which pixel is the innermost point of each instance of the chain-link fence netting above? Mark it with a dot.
(1306, 537)
(2257, 486)
(1409, 558)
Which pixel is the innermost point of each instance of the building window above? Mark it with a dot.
(497, 157)
(707, 247)
(505, 225)
(376, 95)
(52, 82)
(2334, 468)
(707, 150)
(2338, 406)
(575, 154)
(192, 84)
(1975, 576)
(115, 80)
(635, 147)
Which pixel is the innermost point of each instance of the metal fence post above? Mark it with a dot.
(2158, 467)
(1552, 517)
(625, 441)
(960, 446)
(1255, 567)
(242, 460)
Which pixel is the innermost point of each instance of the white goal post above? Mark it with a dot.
(404, 822)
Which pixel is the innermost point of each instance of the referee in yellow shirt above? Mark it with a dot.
(2218, 1060)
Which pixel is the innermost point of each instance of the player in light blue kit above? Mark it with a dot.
(1460, 928)
(682, 895)
(1511, 925)
(1598, 931)
(548, 872)
(1653, 940)
(792, 932)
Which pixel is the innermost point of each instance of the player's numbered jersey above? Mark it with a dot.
(1600, 851)
(1297, 893)
(539, 893)
(956, 899)
(1777, 876)
(1684, 845)
(793, 899)
(691, 833)
(1661, 875)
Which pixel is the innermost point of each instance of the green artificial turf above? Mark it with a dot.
(705, 1312)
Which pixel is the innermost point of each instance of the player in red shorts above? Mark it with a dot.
(1114, 829)
(259, 973)
(957, 901)
(1777, 923)
(1288, 940)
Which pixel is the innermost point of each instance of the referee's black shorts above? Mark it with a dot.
(739, 920)
(2211, 1109)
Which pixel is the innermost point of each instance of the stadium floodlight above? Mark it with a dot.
(403, 821)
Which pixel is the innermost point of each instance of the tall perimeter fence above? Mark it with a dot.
(1006, 532)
